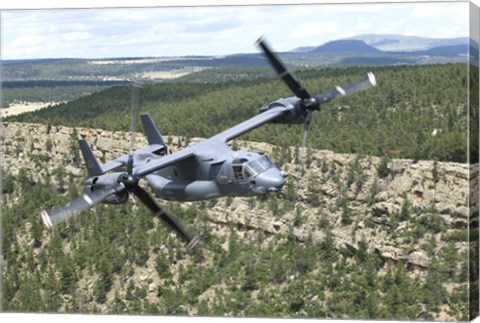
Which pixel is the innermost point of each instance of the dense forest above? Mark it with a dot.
(120, 259)
(417, 112)
(50, 90)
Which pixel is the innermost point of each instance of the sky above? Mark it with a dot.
(215, 30)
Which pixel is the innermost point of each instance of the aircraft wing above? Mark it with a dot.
(163, 162)
(111, 165)
(225, 136)
(250, 124)
(122, 161)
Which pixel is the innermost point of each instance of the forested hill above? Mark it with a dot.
(352, 237)
(417, 112)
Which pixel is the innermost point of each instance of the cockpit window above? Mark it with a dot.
(246, 169)
(238, 172)
(259, 165)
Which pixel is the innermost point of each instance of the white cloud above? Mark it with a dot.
(428, 11)
(314, 29)
(362, 26)
(395, 26)
(213, 30)
(449, 32)
(25, 41)
(74, 36)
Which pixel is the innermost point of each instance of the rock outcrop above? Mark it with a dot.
(345, 195)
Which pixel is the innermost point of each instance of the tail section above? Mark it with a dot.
(93, 167)
(151, 131)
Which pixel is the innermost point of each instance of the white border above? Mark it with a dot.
(61, 4)
(52, 4)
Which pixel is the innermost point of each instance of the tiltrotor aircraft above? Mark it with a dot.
(204, 170)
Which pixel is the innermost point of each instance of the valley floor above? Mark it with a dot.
(23, 107)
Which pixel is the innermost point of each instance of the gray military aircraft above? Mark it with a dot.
(204, 170)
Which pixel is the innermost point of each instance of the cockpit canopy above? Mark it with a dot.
(244, 168)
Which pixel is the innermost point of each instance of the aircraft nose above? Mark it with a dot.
(270, 180)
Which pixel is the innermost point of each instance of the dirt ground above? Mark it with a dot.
(168, 74)
(22, 107)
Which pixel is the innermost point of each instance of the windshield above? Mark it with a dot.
(257, 166)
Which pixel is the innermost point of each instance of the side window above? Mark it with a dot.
(248, 172)
(238, 172)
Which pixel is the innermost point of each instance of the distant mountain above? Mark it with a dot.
(385, 43)
(359, 50)
(400, 43)
(454, 50)
(305, 49)
(390, 50)
(345, 46)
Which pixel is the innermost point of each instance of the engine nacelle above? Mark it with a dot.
(98, 182)
(120, 198)
(295, 115)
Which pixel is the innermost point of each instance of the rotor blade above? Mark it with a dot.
(130, 164)
(79, 204)
(355, 86)
(306, 124)
(165, 215)
(282, 71)
(134, 113)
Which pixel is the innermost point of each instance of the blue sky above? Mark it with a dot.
(215, 30)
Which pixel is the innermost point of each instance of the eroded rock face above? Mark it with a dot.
(419, 258)
(339, 193)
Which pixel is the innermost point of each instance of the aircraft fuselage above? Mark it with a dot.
(215, 172)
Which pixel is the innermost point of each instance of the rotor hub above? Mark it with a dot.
(311, 104)
(130, 181)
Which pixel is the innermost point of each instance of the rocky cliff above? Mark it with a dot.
(394, 206)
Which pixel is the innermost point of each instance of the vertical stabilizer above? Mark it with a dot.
(93, 167)
(151, 131)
